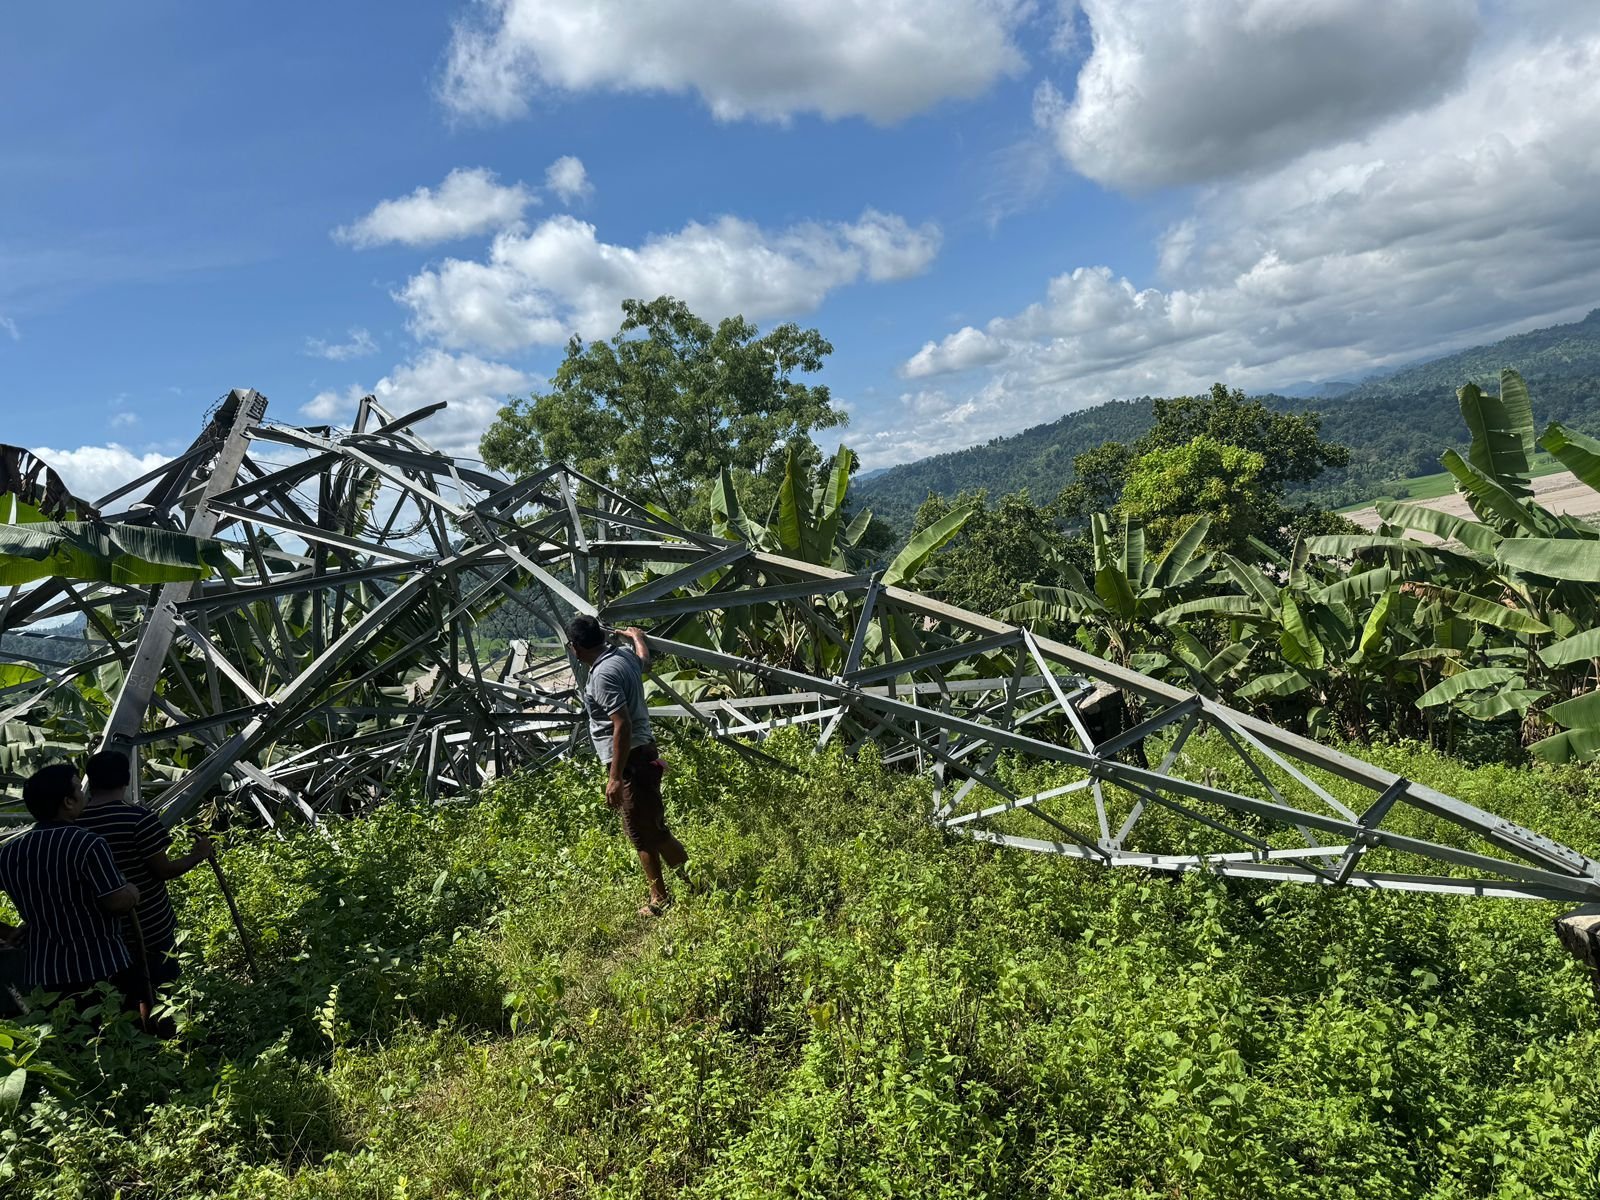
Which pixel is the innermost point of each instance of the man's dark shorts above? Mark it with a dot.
(643, 818)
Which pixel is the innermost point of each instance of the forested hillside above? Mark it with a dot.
(1394, 426)
(1039, 459)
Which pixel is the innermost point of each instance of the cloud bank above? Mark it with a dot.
(1456, 223)
(879, 59)
(541, 287)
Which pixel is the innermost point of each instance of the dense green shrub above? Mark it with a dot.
(459, 1001)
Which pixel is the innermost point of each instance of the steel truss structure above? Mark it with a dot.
(347, 650)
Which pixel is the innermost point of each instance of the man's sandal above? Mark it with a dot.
(653, 908)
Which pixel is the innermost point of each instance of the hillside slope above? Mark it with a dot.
(1395, 425)
(459, 1001)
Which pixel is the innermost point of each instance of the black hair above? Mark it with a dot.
(47, 788)
(585, 632)
(107, 771)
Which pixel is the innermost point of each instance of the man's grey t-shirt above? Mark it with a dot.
(616, 681)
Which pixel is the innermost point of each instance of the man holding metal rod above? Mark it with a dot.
(139, 842)
(619, 727)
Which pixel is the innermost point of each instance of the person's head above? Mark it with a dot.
(587, 638)
(108, 771)
(52, 793)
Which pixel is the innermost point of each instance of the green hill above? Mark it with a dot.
(1394, 425)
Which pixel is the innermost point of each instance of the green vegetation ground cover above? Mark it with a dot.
(459, 1002)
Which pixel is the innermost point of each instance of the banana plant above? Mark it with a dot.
(1117, 616)
(808, 524)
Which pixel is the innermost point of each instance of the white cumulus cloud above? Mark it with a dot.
(360, 343)
(95, 471)
(881, 59)
(473, 387)
(10, 327)
(471, 200)
(567, 178)
(1457, 224)
(1182, 93)
(542, 286)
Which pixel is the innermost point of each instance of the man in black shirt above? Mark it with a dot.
(65, 883)
(139, 843)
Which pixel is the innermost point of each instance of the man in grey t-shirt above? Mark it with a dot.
(619, 726)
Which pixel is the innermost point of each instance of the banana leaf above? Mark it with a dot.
(1487, 495)
(1502, 432)
(920, 548)
(1574, 451)
(1563, 559)
(1472, 534)
(1581, 712)
(1377, 621)
(1468, 681)
(129, 554)
(1577, 648)
(1483, 611)
(1570, 745)
(1280, 683)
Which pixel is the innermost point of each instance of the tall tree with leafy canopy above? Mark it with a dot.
(659, 409)
(1181, 468)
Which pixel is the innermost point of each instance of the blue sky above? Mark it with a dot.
(997, 210)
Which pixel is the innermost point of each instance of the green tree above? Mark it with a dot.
(1167, 488)
(659, 409)
(1002, 549)
(1175, 486)
(1290, 444)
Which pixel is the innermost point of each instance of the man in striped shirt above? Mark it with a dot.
(65, 883)
(139, 843)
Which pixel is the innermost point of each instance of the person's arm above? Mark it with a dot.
(114, 894)
(641, 648)
(163, 867)
(120, 902)
(621, 745)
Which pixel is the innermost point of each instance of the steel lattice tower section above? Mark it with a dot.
(345, 653)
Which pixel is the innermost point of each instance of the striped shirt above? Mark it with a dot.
(56, 875)
(136, 836)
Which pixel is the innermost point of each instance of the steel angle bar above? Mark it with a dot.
(221, 598)
(1071, 713)
(1223, 716)
(219, 662)
(627, 505)
(933, 658)
(272, 484)
(1125, 774)
(179, 801)
(1284, 873)
(1372, 817)
(1153, 724)
(402, 480)
(638, 600)
(1012, 805)
(178, 729)
(1191, 721)
(1242, 752)
(750, 752)
(325, 537)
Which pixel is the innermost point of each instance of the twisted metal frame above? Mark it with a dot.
(345, 653)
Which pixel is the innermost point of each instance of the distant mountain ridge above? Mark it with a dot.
(1396, 424)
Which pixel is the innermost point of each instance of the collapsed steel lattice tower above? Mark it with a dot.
(345, 651)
